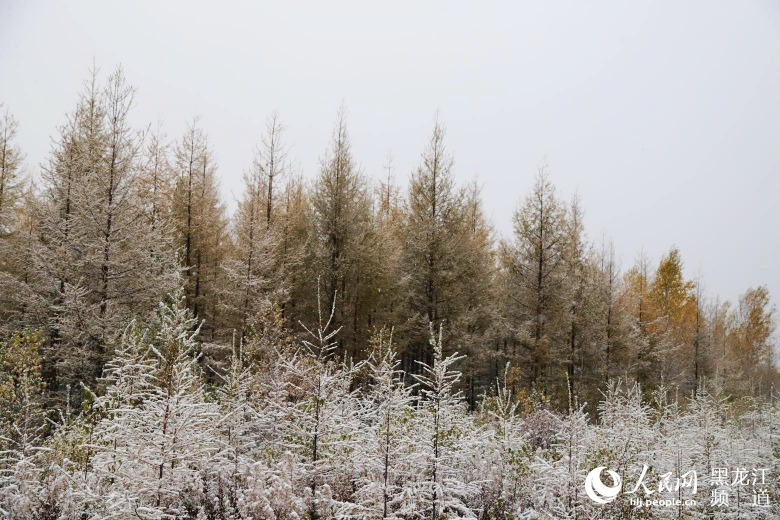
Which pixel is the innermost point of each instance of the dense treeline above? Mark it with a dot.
(119, 217)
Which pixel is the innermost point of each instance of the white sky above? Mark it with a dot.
(665, 116)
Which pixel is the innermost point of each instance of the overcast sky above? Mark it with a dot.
(664, 116)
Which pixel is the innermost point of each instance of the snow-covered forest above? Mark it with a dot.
(341, 348)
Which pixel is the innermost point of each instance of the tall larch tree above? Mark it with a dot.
(296, 250)
(701, 350)
(613, 335)
(100, 260)
(719, 318)
(11, 180)
(538, 276)
(752, 344)
(612, 322)
(14, 260)
(635, 299)
(433, 251)
(254, 267)
(388, 215)
(201, 226)
(476, 320)
(344, 258)
(578, 288)
(672, 306)
(58, 252)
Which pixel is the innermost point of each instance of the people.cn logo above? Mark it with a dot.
(600, 492)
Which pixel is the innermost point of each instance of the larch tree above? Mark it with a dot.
(700, 346)
(538, 275)
(387, 410)
(751, 341)
(296, 250)
(635, 299)
(672, 306)
(475, 322)
(576, 260)
(613, 320)
(253, 271)
(100, 261)
(22, 303)
(323, 422)
(719, 319)
(240, 433)
(11, 179)
(442, 441)
(386, 303)
(56, 252)
(23, 429)
(344, 257)
(200, 226)
(22, 412)
(14, 228)
(155, 191)
(152, 452)
(435, 238)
